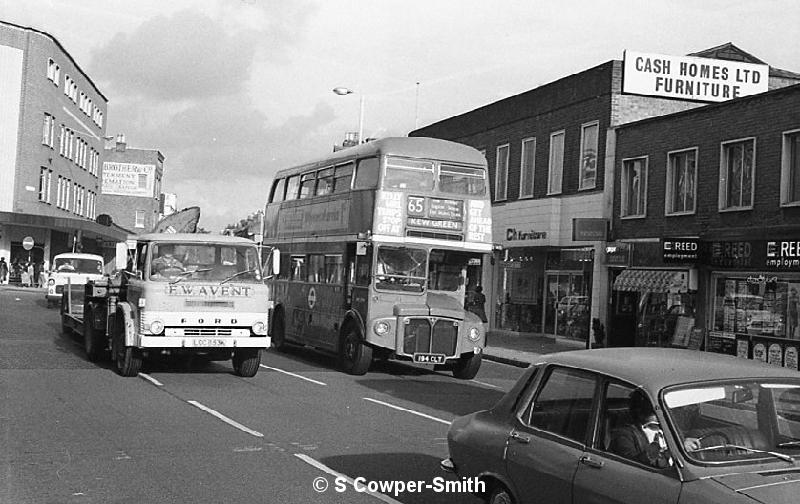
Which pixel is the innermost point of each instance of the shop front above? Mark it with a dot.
(653, 301)
(545, 290)
(753, 300)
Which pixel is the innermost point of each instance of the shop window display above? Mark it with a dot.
(757, 306)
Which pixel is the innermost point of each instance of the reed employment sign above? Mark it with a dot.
(128, 179)
(692, 78)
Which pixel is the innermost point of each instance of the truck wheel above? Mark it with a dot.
(354, 355)
(246, 362)
(279, 332)
(467, 366)
(93, 341)
(127, 359)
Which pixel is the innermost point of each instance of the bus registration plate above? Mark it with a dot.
(427, 358)
(208, 342)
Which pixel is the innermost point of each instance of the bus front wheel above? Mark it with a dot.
(467, 366)
(354, 354)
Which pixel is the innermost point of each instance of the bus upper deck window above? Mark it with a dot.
(367, 174)
(462, 180)
(292, 187)
(308, 183)
(277, 191)
(408, 174)
(324, 182)
(343, 177)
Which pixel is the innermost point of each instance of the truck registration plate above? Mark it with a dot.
(208, 342)
(427, 358)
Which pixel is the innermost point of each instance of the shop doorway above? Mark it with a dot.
(567, 307)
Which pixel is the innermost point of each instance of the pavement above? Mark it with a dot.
(523, 349)
(513, 348)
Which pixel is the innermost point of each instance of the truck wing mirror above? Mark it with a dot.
(276, 261)
(121, 256)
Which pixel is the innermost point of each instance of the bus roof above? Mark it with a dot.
(194, 238)
(429, 148)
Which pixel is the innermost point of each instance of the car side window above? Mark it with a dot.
(563, 405)
(614, 412)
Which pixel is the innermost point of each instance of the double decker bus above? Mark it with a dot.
(379, 244)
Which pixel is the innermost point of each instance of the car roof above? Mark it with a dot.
(78, 255)
(656, 368)
(194, 238)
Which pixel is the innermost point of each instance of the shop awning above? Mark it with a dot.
(639, 280)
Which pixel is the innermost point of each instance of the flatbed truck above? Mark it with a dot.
(176, 294)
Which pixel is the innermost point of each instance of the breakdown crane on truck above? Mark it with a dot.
(176, 294)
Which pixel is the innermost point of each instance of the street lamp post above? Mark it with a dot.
(342, 91)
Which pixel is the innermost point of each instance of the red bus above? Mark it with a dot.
(379, 244)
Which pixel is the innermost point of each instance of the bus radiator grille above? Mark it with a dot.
(418, 337)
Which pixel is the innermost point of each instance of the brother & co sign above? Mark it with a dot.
(692, 78)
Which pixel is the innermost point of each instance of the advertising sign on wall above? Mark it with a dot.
(692, 78)
(128, 179)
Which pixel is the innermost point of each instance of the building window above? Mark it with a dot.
(53, 71)
(526, 168)
(737, 168)
(45, 177)
(790, 168)
(48, 130)
(139, 219)
(556, 167)
(681, 182)
(633, 187)
(587, 177)
(501, 174)
(67, 189)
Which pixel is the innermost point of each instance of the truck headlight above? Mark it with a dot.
(259, 328)
(474, 334)
(156, 327)
(381, 328)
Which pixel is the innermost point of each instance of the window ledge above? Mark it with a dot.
(680, 214)
(735, 209)
(631, 217)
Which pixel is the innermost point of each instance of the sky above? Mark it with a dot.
(230, 91)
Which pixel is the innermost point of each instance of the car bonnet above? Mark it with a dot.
(769, 487)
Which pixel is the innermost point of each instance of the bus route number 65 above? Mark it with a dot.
(416, 205)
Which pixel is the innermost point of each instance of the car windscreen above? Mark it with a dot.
(76, 265)
(735, 421)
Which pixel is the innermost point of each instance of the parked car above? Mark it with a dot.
(729, 431)
(71, 268)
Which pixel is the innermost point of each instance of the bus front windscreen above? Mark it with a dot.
(401, 268)
(408, 174)
(462, 180)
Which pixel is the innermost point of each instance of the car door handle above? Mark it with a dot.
(516, 436)
(589, 461)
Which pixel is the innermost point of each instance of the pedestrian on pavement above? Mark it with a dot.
(476, 303)
(3, 271)
(25, 275)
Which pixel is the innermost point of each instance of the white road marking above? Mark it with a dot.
(151, 379)
(399, 408)
(293, 374)
(322, 467)
(225, 419)
(486, 384)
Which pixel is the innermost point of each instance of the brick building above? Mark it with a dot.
(52, 124)
(131, 186)
(551, 154)
(712, 193)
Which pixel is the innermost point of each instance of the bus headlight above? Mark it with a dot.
(381, 328)
(474, 334)
(156, 327)
(259, 328)
(52, 281)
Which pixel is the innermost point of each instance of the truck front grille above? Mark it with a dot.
(207, 331)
